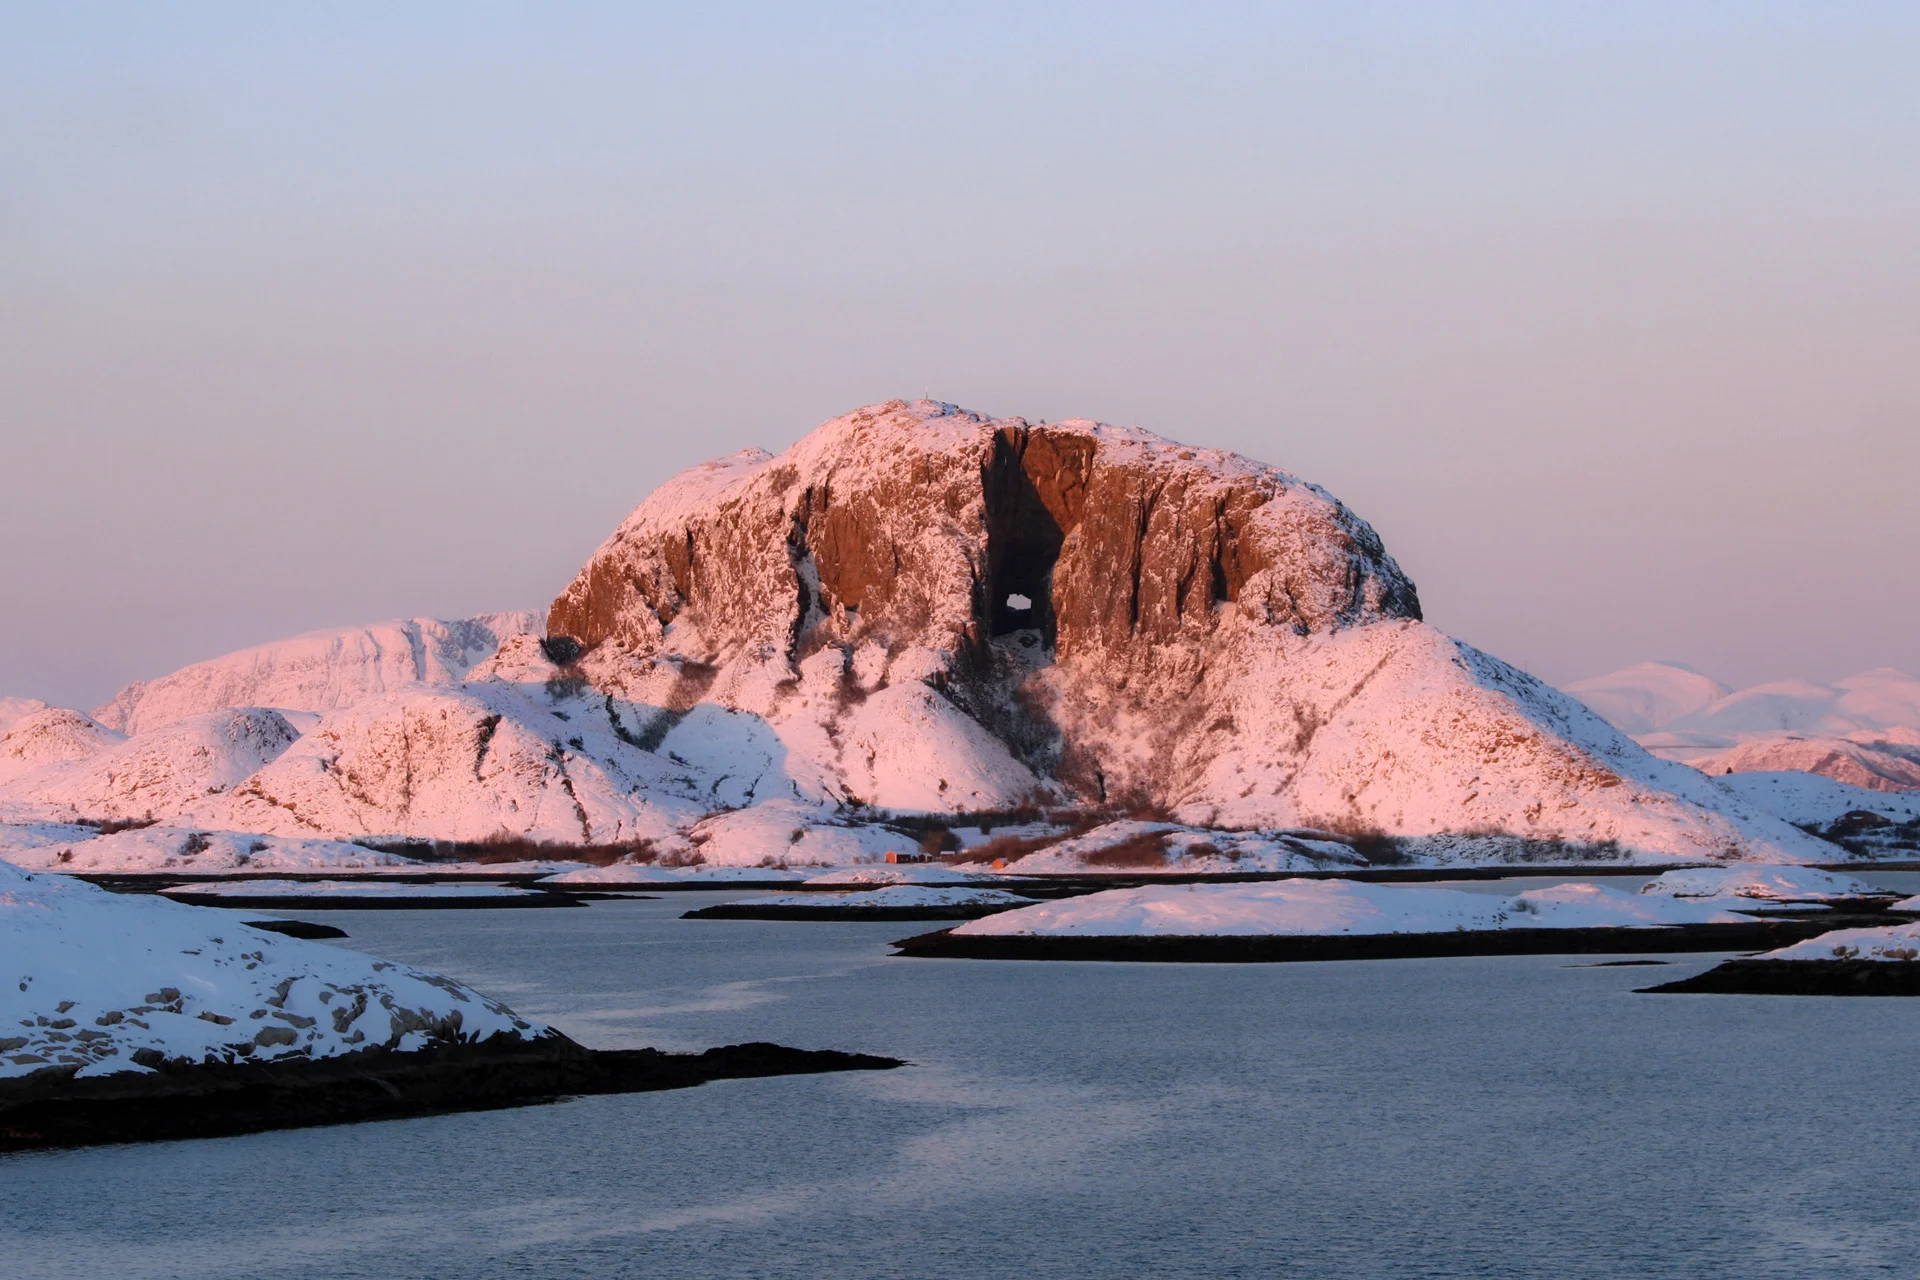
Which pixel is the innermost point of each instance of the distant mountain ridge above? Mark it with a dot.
(1863, 730)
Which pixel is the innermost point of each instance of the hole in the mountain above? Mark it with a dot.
(1034, 487)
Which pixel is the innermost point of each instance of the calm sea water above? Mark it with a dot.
(1431, 1118)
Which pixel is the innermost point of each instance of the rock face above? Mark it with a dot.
(915, 526)
(917, 607)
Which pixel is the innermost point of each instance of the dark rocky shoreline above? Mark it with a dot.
(177, 1100)
(1755, 977)
(374, 902)
(297, 928)
(1756, 935)
(829, 911)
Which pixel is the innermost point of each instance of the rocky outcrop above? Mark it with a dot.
(915, 525)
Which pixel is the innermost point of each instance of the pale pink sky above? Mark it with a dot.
(1607, 320)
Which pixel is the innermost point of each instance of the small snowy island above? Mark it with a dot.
(128, 1017)
(1349, 920)
(1878, 961)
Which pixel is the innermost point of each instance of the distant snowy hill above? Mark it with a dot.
(319, 671)
(1864, 730)
(1888, 767)
(1648, 695)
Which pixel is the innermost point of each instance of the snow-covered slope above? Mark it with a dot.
(161, 773)
(1768, 884)
(319, 671)
(48, 736)
(1806, 799)
(180, 849)
(121, 982)
(465, 762)
(13, 710)
(1893, 944)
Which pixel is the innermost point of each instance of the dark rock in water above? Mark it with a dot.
(830, 911)
(1757, 977)
(53, 1109)
(1618, 964)
(297, 928)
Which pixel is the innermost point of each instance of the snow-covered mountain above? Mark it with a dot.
(1864, 730)
(1648, 695)
(924, 610)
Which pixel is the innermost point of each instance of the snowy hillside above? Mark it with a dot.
(43, 736)
(319, 671)
(125, 982)
(162, 773)
(66, 847)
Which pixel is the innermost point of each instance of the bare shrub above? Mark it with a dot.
(1148, 849)
(562, 651)
(1374, 845)
(112, 826)
(938, 840)
(503, 847)
(1012, 848)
